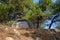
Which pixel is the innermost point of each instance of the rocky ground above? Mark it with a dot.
(9, 33)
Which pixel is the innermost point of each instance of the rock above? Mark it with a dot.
(38, 38)
(16, 32)
(22, 23)
(26, 38)
(6, 29)
(9, 38)
(57, 30)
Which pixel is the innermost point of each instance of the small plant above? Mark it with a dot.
(9, 23)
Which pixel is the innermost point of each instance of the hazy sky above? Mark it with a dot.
(38, 0)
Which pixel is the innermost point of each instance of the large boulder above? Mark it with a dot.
(22, 24)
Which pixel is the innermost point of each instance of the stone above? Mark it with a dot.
(16, 32)
(9, 38)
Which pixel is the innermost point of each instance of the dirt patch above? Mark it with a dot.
(9, 33)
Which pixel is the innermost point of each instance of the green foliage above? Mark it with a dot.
(57, 7)
(43, 4)
(34, 11)
(38, 10)
(10, 22)
(3, 11)
(12, 6)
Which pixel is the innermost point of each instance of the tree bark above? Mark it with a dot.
(38, 24)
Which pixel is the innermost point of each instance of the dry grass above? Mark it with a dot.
(9, 33)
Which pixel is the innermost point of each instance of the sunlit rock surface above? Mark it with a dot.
(9, 33)
(9, 38)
